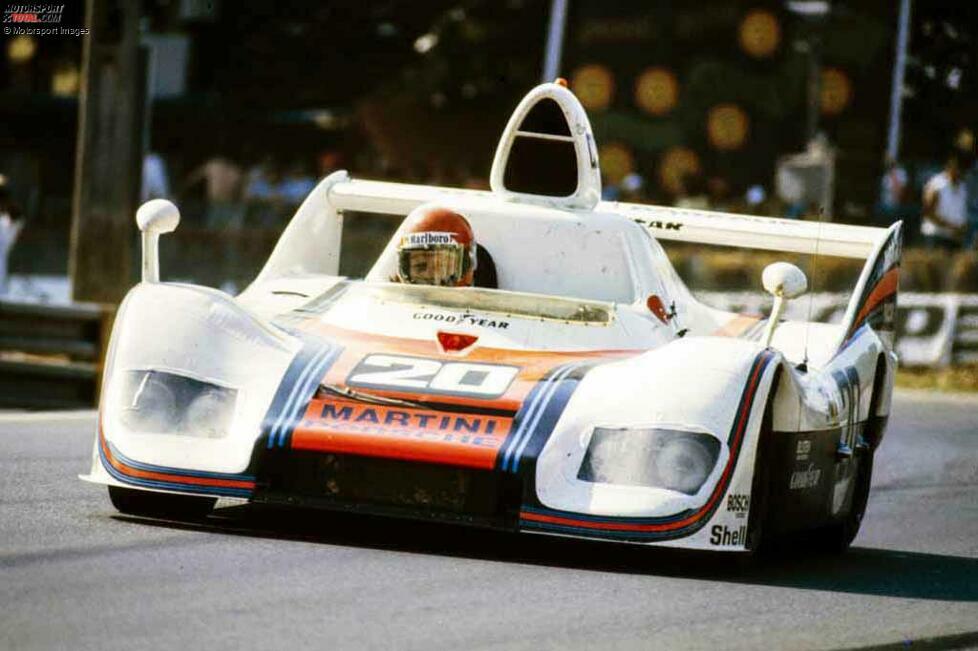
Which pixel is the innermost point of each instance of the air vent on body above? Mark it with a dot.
(547, 152)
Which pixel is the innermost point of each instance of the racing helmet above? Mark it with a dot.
(437, 247)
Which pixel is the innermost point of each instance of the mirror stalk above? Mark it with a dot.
(151, 257)
(775, 318)
(155, 218)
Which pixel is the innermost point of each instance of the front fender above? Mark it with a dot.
(205, 336)
(717, 386)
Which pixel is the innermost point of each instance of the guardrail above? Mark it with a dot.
(51, 355)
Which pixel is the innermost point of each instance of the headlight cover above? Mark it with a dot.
(161, 402)
(677, 460)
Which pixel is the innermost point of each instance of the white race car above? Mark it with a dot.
(582, 391)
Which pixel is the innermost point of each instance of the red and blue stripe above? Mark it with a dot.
(146, 475)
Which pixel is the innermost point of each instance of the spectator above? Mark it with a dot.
(10, 225)
(893, 188)
(261, 194)
(156, 184)
(755, 197)
(692, 193)
(633, 188)
(328, 162)
(969, 166)
(296, 186)
(971, 186)
(609, 191)
(944, 219)
(222, 181)
(718, 192)
(260, 184)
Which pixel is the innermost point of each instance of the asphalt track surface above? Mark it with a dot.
(76, 575)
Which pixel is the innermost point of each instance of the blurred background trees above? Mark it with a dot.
(687, 101)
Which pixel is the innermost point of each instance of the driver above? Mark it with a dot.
(437, 248)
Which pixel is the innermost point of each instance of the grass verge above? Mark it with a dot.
(955, 378)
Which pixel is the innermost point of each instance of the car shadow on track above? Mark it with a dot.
(861, 570)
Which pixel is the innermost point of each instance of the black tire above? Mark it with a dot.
(160, 505)
(837, 538)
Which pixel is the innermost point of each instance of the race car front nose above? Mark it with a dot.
(189, 378)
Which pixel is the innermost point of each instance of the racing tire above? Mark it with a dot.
(836, 538)
(160, 505)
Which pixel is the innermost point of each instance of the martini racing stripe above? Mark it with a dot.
(297, 388)
(136, 473)
(536, 401)
(306, 389)
(871, 311)
(288, 392)
(546, 419)
(657, 528)
(877, 301)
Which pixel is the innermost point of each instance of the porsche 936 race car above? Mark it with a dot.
(582, 391)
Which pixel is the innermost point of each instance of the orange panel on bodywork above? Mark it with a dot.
(533, 365)
(465, 435)
(429, 435)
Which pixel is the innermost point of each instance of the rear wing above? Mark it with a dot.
(874, 299)
(321, 215)
(701, 226)
(394, 198)
(750, 231)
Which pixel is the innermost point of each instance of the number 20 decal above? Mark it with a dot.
(418, 375)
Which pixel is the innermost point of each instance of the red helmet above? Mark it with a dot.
(436, 248)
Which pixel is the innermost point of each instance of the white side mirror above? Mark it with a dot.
(783, 281)
(154, 218)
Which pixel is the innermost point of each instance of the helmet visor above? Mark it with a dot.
(440, 264)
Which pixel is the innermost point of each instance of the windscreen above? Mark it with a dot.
(501, 302)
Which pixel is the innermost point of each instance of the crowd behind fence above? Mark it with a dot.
(233, 211)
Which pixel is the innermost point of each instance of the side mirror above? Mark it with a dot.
(783, 281)
(154, 218)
